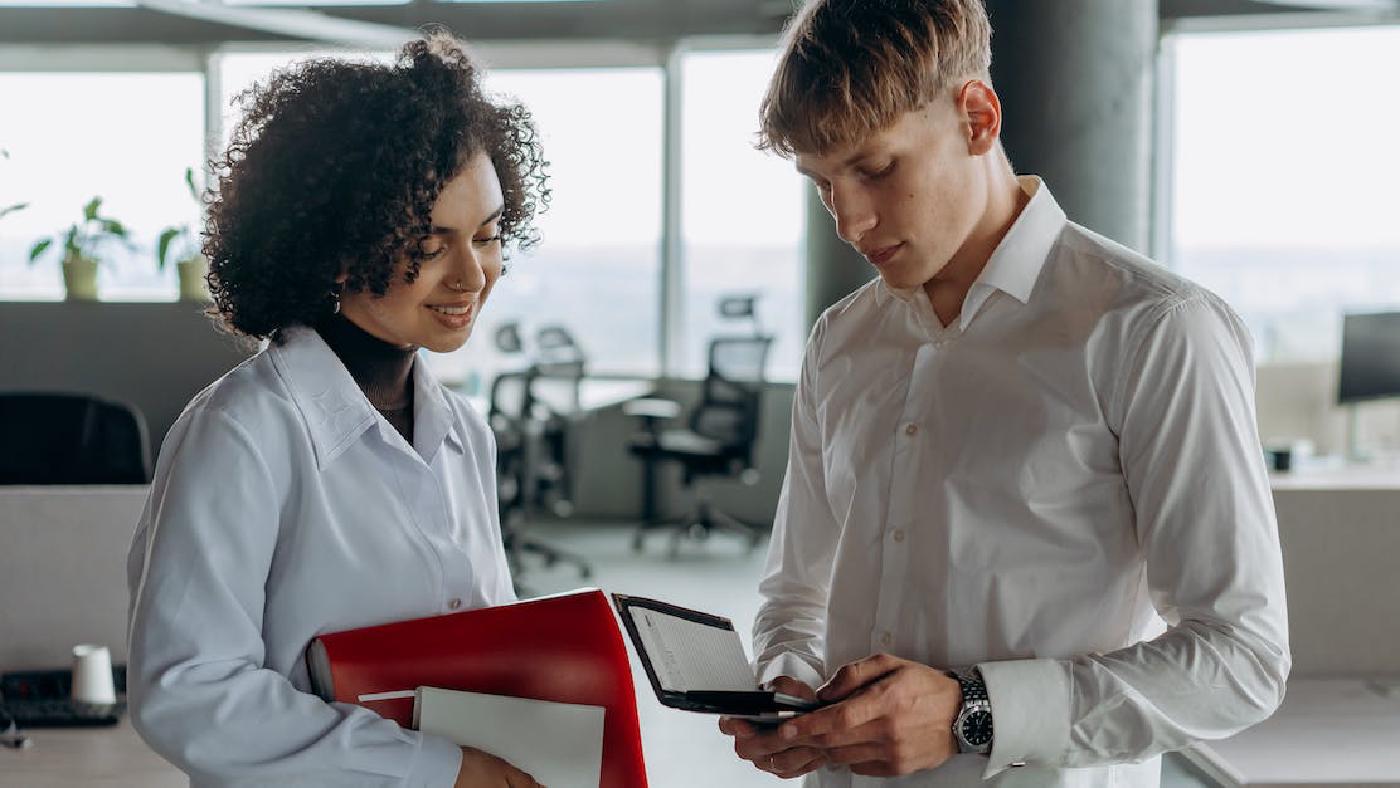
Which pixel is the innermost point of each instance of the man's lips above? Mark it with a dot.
(879, 257)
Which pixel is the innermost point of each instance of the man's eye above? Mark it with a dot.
(875, 173)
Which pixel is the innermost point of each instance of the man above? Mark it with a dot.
(1026, 520)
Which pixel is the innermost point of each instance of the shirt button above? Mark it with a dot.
(911, 430)
(899, 534)
(454, 603)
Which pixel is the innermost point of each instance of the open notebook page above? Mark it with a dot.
(689, 656)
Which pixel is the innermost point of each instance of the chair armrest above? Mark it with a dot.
(651, 408)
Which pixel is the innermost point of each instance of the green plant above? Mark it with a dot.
(180, 236)
(82, 238)
(19, 206)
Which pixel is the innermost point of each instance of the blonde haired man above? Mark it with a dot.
(1026, 521)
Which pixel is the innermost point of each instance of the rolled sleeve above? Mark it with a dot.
(1030, 711)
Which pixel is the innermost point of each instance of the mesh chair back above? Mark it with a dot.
(732, 390)
(71, 439)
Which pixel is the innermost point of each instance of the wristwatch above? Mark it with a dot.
(973, 725)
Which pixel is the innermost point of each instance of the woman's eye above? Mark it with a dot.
(431, 247)
(482, 242)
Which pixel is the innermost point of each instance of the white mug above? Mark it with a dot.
(92, 675)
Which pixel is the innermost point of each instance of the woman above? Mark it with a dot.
(328, 482)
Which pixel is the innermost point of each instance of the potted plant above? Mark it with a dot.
(180, 243)
(80, 243)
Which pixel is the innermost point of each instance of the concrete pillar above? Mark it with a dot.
(1076, 84)
(1075, 79)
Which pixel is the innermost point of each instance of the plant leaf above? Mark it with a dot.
(163, 245)
(90, 210)
(189, 181)
(39, 248)
(70, 242)
(19, 206)
(114, 227)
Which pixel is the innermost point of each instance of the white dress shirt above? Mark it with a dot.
(285, 506)
(1033, 489)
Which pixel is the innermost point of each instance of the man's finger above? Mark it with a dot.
(844, 716)
(854, 675)
(791, 686)
(733, 726)
(857, 753)
(762, 745)
(794, 761)
(873, 732)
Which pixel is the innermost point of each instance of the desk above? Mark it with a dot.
(102, 757)
(1327, 732)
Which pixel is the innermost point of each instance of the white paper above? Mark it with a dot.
(559, 744)
(689, 656)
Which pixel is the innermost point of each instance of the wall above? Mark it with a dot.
(154, 356)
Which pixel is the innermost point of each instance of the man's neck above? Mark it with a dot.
(947, 291)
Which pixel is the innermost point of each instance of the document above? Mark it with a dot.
(559, 744)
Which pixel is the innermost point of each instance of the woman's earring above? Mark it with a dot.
(335, 296)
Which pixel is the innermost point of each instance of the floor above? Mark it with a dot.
(718, 576)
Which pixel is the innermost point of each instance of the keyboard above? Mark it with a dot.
(43, 699)
(60, 713)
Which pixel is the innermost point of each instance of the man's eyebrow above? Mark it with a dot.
(851, 161)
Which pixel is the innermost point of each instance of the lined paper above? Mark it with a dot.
(689, 656)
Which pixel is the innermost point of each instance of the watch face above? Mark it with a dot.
(977, 728)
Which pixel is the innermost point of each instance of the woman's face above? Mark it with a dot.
(463, 261)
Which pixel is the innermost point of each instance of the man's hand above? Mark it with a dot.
(761, 744)
(893, 717)
(484, 770)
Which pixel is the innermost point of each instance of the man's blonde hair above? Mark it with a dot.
(852, 67)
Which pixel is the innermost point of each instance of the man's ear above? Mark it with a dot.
(980, 110)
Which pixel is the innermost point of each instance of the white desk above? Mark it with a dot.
(100, 757)
(1328, 732)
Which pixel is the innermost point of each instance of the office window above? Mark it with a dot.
(1284, 196)
(124, 137)
(596, 269)
(742, 211)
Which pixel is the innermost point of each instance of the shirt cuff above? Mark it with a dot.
(1030, 712)
(437, 763)
(790, 664)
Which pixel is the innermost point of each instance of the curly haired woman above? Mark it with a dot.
(329, 482)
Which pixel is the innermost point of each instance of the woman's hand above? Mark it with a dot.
(484, 770)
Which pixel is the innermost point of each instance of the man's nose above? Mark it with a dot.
(854, 214)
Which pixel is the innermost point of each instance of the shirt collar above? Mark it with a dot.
(336, 410)
(1016, 262)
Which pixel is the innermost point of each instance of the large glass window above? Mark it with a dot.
(741, 211)
(1284, 196)
(596, 269)
(126, 138)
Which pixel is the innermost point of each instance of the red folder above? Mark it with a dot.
(564, 648)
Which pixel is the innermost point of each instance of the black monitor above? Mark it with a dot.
(1370, 357)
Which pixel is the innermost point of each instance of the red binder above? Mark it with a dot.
(564, 648)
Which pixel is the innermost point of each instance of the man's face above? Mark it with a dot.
(906, 197)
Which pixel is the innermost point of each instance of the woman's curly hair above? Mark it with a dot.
(335, 167)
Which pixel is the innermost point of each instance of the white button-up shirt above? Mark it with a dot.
(285, 506)
(1033, 489)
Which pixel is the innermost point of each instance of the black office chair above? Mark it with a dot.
(524, 462)
(723, 430)
(51, 438)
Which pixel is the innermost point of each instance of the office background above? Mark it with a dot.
(1247, 144)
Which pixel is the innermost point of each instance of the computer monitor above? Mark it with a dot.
(1370, 366)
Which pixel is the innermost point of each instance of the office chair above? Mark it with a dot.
(524, 462)
(723, 430)
(59, 438)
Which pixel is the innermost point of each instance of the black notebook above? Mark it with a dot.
(696, 662)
